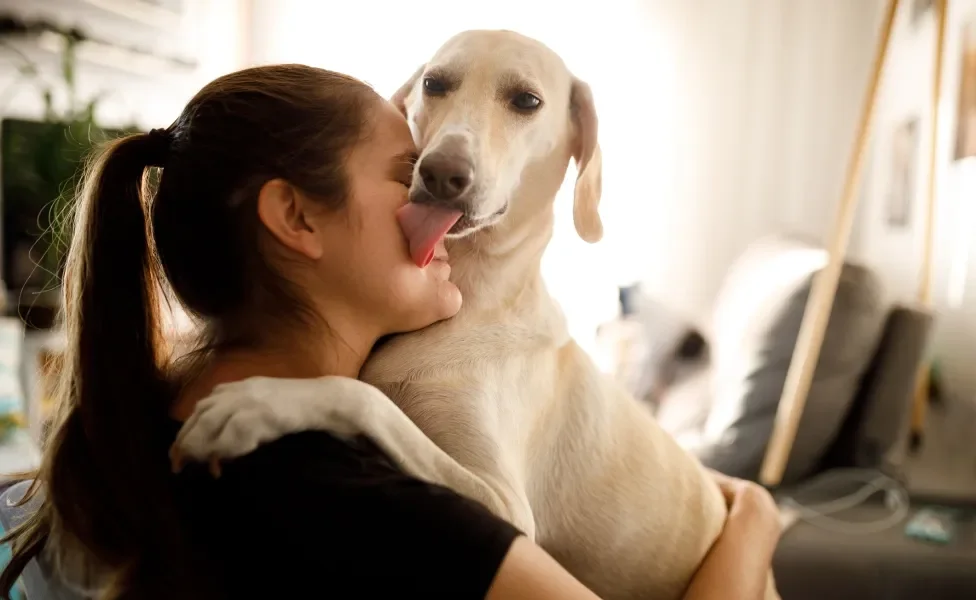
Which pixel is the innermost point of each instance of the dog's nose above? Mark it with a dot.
(446, 176)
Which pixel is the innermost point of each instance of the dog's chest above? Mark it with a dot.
(474, 348)
(494, 374)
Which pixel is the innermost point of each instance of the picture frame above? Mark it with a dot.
(899, 201)
(920, 9)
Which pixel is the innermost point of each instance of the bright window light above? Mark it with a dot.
(965, 225)
(611, 45)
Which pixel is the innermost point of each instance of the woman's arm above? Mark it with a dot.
(529, 573)
(736, 568)
(738, 565)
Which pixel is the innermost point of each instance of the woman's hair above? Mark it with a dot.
(107, 515)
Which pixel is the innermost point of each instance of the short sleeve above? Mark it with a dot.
(324, 515)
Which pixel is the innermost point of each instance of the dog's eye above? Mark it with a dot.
(434, 86)
(526, 101)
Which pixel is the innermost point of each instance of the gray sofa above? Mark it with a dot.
(721, 404)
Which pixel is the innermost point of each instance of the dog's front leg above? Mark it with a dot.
(446, 413)
(239, 417)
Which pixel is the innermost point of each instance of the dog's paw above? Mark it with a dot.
(224, 427)
(237, 418)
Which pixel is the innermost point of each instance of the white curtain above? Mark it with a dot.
(769, 92)
(720, 120)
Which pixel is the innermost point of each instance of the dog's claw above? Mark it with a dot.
(176, 460)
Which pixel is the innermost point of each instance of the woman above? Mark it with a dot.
(273, 222)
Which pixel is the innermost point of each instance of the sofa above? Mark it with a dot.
(720, 401)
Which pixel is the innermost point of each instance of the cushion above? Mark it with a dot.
(874, 435)
(755, 325)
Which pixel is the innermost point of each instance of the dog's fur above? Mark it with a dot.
(551, 444)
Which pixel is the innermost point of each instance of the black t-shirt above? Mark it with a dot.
(310, 516)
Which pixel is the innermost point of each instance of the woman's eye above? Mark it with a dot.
(526, 102)
(434, 86)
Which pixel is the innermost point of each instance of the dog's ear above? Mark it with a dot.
(589, 164)
(399, 99)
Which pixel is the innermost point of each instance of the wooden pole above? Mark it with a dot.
(921, 401)
(821, 300)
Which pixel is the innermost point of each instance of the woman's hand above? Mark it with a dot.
(738, 565)
(736, 568)
(752, 512)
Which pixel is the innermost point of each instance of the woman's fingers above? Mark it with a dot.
(729, 486)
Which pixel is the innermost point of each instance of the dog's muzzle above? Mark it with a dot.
(447, 178)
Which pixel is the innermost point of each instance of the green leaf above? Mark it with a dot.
(68, 62)
(49, 113)
(41, 166)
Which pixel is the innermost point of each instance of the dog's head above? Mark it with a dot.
(489, 106)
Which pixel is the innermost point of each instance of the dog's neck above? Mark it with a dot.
(500, 268)
(496, 267)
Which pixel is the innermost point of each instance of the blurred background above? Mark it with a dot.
(726, 127)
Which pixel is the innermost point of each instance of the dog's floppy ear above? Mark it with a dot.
(589, 164)
(399, 99)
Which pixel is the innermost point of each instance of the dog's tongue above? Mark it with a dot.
(425, 226)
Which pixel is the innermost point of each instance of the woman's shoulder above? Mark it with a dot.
(313, 454)
(362, 486)
(344, 511)
(306, 462)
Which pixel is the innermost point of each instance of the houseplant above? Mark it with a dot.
(40, 164)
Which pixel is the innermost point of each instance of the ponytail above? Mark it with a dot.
(109, 514)
(105, 477)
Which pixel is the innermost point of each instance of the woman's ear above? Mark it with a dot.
(284, 211)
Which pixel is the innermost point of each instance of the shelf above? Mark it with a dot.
(28, 36)
(144, 12)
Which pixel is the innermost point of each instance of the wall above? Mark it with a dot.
(896, 253)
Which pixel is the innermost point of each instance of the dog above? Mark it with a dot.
(499, 403)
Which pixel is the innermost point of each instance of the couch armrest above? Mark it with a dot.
(875, 430)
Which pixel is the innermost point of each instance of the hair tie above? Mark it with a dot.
(161, 140)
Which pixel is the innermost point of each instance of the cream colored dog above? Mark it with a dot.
(503, 405)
